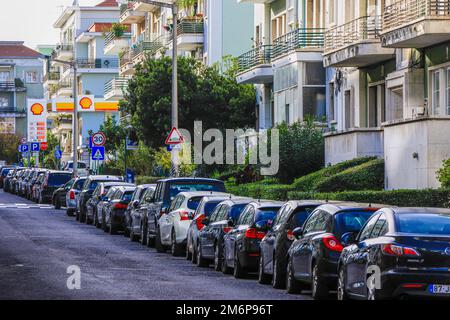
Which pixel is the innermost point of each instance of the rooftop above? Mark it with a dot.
(16, 49)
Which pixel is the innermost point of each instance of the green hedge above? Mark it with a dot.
(261, 191)
(366, 176)
(147, 179)
(403, 198)
(310, 181)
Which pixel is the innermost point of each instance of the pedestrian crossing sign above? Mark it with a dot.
(98, 153)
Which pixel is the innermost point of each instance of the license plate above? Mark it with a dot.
(439, 289)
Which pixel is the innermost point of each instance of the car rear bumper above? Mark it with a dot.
(181, 230)
(328, 271)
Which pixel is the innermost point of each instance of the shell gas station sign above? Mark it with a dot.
(37, 120)
(85, 104)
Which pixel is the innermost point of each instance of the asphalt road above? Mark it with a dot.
(38, 244)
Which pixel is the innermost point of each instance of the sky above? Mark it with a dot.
(32, 20)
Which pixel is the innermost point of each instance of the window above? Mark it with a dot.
(299, 217)
(448, 92)
(31, 77)
(286, 113)
(367, 231)
(282, 215)
(314, 91)
(380, 228)
(4, 76)
(436, 91)
(321, 222)
(3, 102)
(309, 225)
(7, 125)
(423, 223)
(332, 106)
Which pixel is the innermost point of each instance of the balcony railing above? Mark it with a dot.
(60, 48)
(406, 11)
(257, 56)
(52, 76)
(12, 85)
(189, 26)
(298, 39)
(151, 44)
(116, 84)
(358, 30)
(105, 63)
(126, 6)
(110, 37)
(10, 110)
(64, 84)
(125, 57)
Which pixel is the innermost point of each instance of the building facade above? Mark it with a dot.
(20, 78)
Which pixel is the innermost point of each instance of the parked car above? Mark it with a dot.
(3, 173)
(72, 195)
(210, 242)
(409, 249)
(279, 237)
(132, 217)
(51, 181)
(22, 182)
(59, 195)
(82, 171)
(204, 210)
(313, 257)
(7, 180)
(100, 196)
(241, 245)
(113, 219)
(88, 188)
(139, 216)
(35, 187)
(31, 181)
(173, 225)
(13, 182)
(166, 191)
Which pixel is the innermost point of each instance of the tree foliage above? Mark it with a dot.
(9, 145)
(115, 135)
(205, 94)
(443, 174)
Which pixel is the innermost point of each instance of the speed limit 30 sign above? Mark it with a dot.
(99, 139)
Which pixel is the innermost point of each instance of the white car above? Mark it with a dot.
(174, 224)
(82, 171)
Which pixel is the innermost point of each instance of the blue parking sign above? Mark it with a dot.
(24, 148)
(35, 146)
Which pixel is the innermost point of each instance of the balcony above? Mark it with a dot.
(416, 24)
(15, 85)
(190, 34)
(12, 112)
(299, 39)
(355, 44)
(114, 45)
(126, 63)
(129, 15)
(255, 67)
(141, 6)
(52, 77)
(114, 89)
(64, 88)
(106, 64)
(63, 52)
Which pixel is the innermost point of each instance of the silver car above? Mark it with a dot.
(72, 196)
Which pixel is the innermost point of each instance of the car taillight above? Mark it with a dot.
(399, 251)
(227, 229)
(198, 221)
(120, 206)
(290, 235)
(72, 195)
(252, 233)
(184, 215)
(332, 243)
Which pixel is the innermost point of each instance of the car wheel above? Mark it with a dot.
(292, 285)
(201, 262)
(176, 249)
(40, 199)
(112, 226)
(57, 204)
(150, 240)
(239, 271)
(133, 237)
(104, 226)
(82, 215)
(194, 254)
(225, 268)
(341, 293)
(143, 239)
(158, 245)
(263, 278)
(218, 257)
(126, 232)
(319, 289)
(279, 278)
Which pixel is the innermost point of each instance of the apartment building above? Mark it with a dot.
(20, 78)
(387, 86)
(285, 61)
(207, 30)
(82, 39)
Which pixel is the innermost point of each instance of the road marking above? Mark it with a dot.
(25, 206)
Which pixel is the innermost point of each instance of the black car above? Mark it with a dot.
(93, 214)
(132, 216)
(241, 245)
(14, 180)
(7, 180)
(31, 181)
(399, 252)
(59, 196)
(3, 173)
(139, 216)
(52, 180)
(166, 191)
(88, 188)
(204, 210)
(210, 241)
(114, 218)
(313, 257)
(279, 237)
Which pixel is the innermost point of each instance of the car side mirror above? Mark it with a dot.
(191, 215)
(348, 238)
(262, 226)
(230, 223)
(297, 232)
(135, 204)
(205, 221)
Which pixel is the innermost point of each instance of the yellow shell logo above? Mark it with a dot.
(86, 103)
(37, 109)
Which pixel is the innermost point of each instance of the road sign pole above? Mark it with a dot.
(175, 84)
(29, 155)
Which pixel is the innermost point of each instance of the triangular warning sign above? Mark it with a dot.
(174, 137)
(98, 155)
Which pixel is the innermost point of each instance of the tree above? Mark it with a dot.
(443, 174)
(9, 150)
(205, 95)
(115, 135)
(49, 155)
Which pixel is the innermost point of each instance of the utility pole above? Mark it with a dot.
(175, 84)
(75, 121)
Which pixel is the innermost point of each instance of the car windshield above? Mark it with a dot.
(423, 223)
(236, 211)
(127, 196)
(351, 221)
(193, 203)
(300, 216)
(266, 214)
(58, 179)
(79, 184)
(176, 188)
(209, 207)
(5, 172)
(81, 165)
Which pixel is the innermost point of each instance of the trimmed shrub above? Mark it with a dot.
(147, 179)
(309, 182)
(443, 174)
(403, 198)
(260, 191)
(366, 176)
